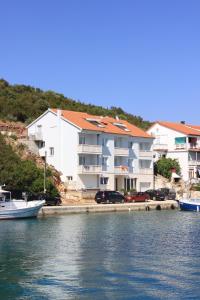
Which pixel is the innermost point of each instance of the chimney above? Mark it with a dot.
(58, 113)
(182, 122)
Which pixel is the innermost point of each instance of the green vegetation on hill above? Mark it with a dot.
(21, 175)
(25, 103)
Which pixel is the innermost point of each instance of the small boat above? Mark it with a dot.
(15, 209)
(190, 204)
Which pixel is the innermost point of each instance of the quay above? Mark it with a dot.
(95, 208)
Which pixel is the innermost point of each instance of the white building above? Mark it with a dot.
(178, 141)
(94, 152)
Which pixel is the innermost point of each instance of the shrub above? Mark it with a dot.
(164, 166)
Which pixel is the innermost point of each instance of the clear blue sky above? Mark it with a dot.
(141, 55)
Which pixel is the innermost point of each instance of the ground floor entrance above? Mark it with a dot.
(125, 183)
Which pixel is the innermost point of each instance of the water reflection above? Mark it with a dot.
(150, 255)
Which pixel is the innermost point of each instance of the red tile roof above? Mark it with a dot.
(183, 128)
(80, 120)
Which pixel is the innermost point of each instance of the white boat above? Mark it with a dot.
(15, 209)
(190, 204)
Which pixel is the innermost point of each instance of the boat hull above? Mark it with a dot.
(19, 213)
(189, 206)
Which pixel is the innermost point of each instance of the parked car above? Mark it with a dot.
(156, 195)
(137, 197)
(109, 197)
(170, 194)
(49, 200)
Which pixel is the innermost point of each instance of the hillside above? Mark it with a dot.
(25, 103)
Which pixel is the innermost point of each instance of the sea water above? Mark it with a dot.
(135, 255)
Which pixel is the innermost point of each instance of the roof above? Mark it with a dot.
(103, 124)
(183, 128)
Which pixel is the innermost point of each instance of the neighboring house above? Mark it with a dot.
(94, 152)
(178, 141)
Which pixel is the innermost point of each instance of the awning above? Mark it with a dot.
(175, 175)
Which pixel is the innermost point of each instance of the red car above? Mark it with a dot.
(137, 197)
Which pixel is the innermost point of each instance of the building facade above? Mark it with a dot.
(178, 141)
(94, 152)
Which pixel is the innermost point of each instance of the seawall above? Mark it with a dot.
(124, 207)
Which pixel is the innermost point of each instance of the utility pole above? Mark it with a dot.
(45, 165)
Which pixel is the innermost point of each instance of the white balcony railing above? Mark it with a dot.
(121, 151)
(147, 153)
(89, 169)
(163, 147)
(194, 162)
(180, 146)
(92, 149)
(146, 171)
(121, 170)
(37, 136)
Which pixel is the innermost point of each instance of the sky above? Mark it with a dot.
(141, 55)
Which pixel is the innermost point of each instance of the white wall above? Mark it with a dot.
(167, 136)
(62, 136)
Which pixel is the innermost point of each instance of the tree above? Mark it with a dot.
(22, 175)
(164, 167)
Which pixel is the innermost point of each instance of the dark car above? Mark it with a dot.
(137, 197)
(170, 194)
(109, 197)
(156, 195)
(49, 200)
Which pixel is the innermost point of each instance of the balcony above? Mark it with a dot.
(121, 170)
(121, 151)
(37, 136)
(160, 147)
(146, 171)
(91, 149)
(89, 169)
(180, 146)
(194, 162)
(147, 153)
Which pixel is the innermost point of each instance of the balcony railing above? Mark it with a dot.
(92, 149)
(37, 136)
(180, 146)
(89, 169)
(194, 162)
(121, 151)
(147, 153)
(146, 171)
(157, 147)
(121, 170)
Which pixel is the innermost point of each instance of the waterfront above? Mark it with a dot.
(136, 255)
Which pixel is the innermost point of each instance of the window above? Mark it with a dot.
(145, 146)
(104, 142)
(69, 178)
(51, 151)
(103, 180)
(130, 145)
(96, 122)
(144, 164)
(81, 140)
(81, 160)
(130, 162)
(41, 144)
(180, 140)
(121, 126)
(104, 161)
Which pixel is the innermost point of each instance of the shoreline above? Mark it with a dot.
(95, 208)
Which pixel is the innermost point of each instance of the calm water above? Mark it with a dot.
(141, 255)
